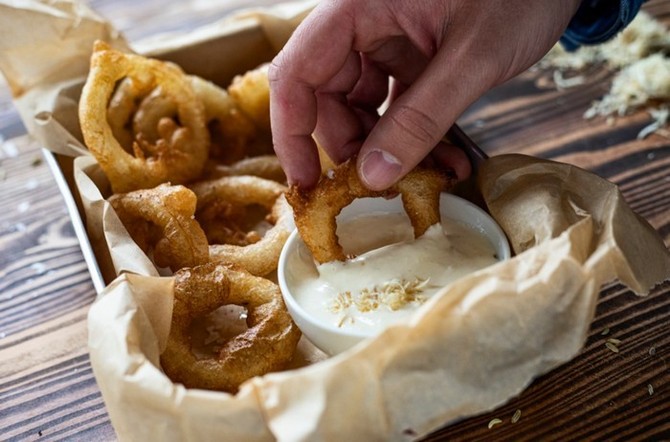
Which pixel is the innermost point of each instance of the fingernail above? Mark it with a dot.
(380, 169)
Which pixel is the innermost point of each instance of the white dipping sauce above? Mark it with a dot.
(392, 273)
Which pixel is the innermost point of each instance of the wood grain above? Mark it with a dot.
(46, 384)
(47, 389)
(599, 395)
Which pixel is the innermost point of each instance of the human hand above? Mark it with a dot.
(333, 75)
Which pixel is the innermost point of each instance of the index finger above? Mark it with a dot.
(315, 53)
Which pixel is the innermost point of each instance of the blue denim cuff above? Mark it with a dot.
(596, 21)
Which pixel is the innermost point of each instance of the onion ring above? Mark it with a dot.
(316, 209)
(122, 106)
(232, 132)
(259, 258)
(179, 158)
(150, 111)
(251, 93)
(162, 219)
(267, 345)
(226, 223)
(263, 166)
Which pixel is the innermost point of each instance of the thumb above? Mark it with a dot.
(419, 118)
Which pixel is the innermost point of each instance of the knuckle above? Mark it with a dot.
(416, 125)
(275, 69)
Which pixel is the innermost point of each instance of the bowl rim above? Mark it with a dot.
(294, 240)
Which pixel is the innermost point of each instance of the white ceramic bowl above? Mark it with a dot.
(333, 340)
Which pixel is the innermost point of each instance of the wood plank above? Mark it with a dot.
(42, 272)
(47, 388)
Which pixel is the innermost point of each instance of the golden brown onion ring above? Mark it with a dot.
(251, 93)
(122, 106)
(162, 219)
(267, 345)
(178, 159)
(226, 223)
(259, 258)
(264, 166)
(232, 132)
(151, 110)
(315, 209)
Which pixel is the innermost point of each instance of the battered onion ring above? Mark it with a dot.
(150, 111)
(122, 106)
(179, 159)
(259, 258)
(267, 345)
(251, 93)
(232, 132)
(264, 166)
(315, 209)
(226, 223)
(162, 218)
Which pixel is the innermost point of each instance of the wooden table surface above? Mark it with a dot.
(47, 389)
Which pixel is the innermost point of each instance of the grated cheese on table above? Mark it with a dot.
(639, 56)
(634, 86)
(644, 36)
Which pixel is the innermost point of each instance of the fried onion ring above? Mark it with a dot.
(122, 106)
(267, 345)
(233, 134)
(251, 93)
(237, 118)
(316, 209)
(160, 220)
(261, 257)
(264, 166)
(150, 111)
(178, 159)
(226, 223)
